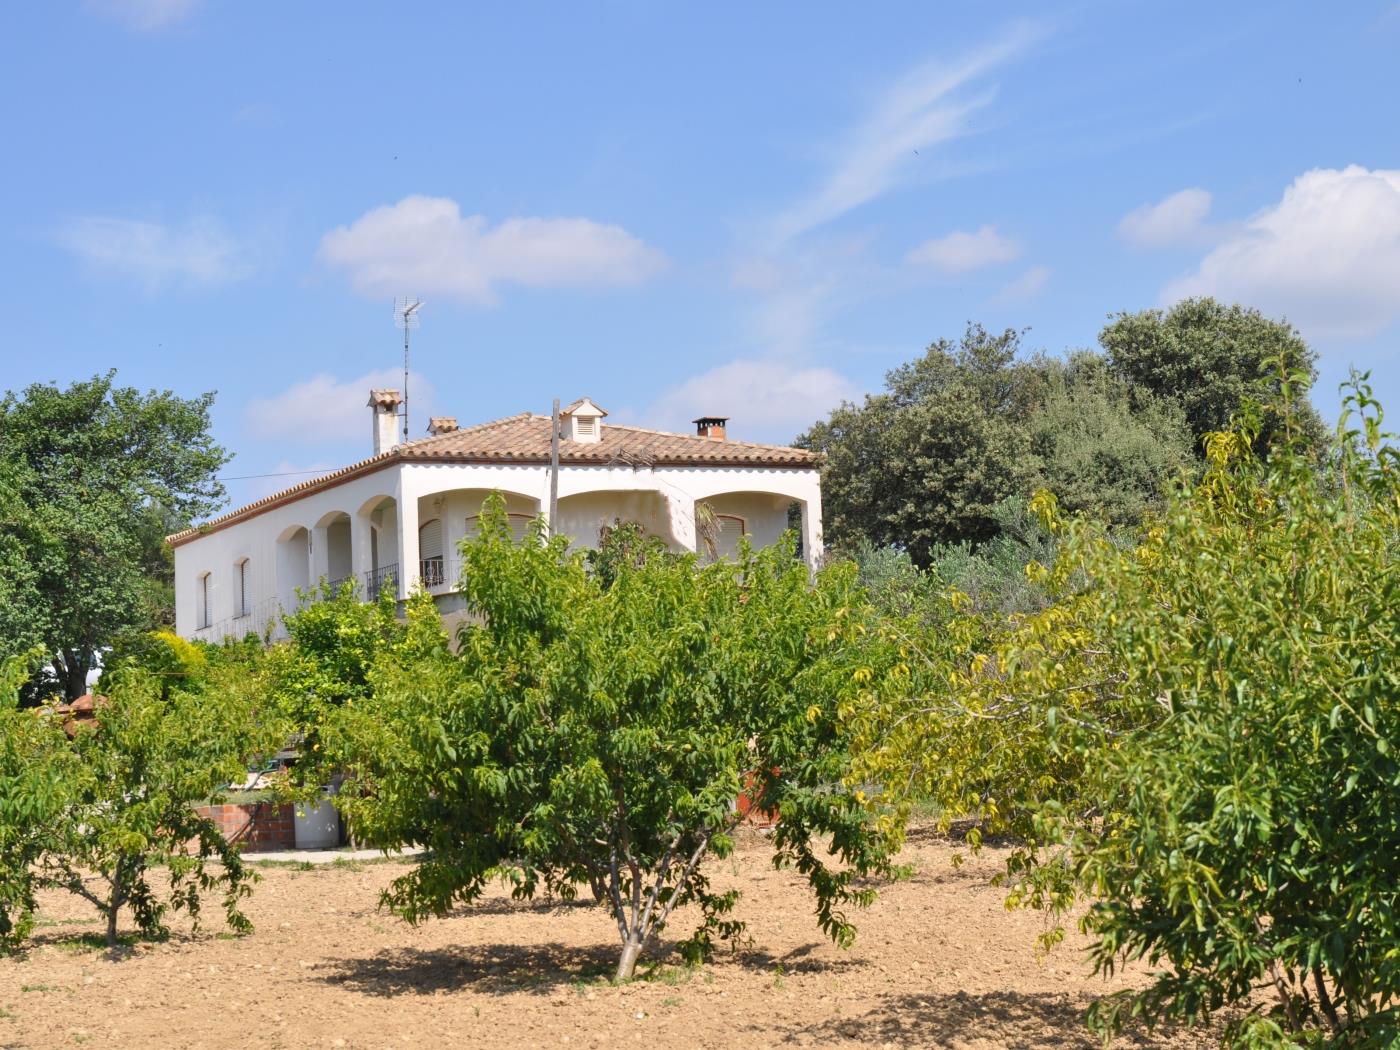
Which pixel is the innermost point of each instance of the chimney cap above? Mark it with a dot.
(442, 425)
(710, 420)
(385, 399)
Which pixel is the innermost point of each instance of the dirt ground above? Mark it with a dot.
(939, 961)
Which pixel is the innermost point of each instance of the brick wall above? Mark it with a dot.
(258, 826)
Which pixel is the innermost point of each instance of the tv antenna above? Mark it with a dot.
(406, 317)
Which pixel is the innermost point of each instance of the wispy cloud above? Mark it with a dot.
(426, 244)
(145, 15)
(326, 409)
(962, 252)
(1177, 219)
(201, 252)
(924, 108)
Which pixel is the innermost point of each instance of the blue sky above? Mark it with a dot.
(752, 210)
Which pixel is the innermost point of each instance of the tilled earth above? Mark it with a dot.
(939, 961)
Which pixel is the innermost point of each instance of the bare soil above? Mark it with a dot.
(939, 961)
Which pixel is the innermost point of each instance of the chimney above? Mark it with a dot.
(711, 427)
(442, 425)
(385, 405)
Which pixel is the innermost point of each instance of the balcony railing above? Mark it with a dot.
(376, 580)
(432, 571)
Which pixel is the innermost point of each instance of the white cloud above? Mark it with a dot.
(1025, 287)
(1327, 255)
(201, 252)
(145, 15)
(324, 409)
(960, 252)
(765, 400)
(921, 110)
(424, 245)
(1178, 219)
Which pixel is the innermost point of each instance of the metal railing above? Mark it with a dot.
(376, 580)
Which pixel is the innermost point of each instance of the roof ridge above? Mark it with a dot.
(695, 437)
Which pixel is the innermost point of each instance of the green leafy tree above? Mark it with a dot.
(1102, 448)
(926, 461)
(90, 477)
(156, 749)
(38, 771)
(1210, 357)
(598, 733)
(1199, 734)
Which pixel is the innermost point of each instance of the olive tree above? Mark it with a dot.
(595, 730)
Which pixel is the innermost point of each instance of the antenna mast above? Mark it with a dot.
(406, 317)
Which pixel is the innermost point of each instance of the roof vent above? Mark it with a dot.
(711, 427)
(582, 422)
(442, 425)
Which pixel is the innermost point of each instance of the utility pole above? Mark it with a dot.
(554, 468)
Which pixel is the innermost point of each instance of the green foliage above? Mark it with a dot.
(37, 774)
(90, 479)
(1198, 733)
(1209, 358)
(925, 462)
(925, 466)
(98, 814)
(596, 729)
(334, 642)
(1102, 447)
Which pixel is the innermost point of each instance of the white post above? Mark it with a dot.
(320, 555)
(361, 563)
(407, 507)
(812, 547)
(682, 521)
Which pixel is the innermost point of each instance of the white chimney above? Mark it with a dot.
(385, 406)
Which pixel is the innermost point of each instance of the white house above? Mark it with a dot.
(395, 519)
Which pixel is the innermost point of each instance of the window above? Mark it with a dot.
(519, 526)
(243, 592)
(430, 552)
(201, 613)
(586, 426)
(729, 529)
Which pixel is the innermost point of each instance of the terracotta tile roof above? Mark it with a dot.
(524, 439)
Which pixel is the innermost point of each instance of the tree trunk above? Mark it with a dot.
(73, 675)
(112, 909)
(627, 964)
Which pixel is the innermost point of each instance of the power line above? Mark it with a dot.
(282, 474)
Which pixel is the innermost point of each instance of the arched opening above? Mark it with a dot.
(293, 565)
(584, 515)
(381, 514)
(340, 562)
(722, 521)
(457, 513)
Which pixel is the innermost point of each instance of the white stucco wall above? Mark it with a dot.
(392, 503)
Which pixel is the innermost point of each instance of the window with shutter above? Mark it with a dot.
(430, 552)
(202, 602)
(245, 598)
(730, 530)
(586, 426)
